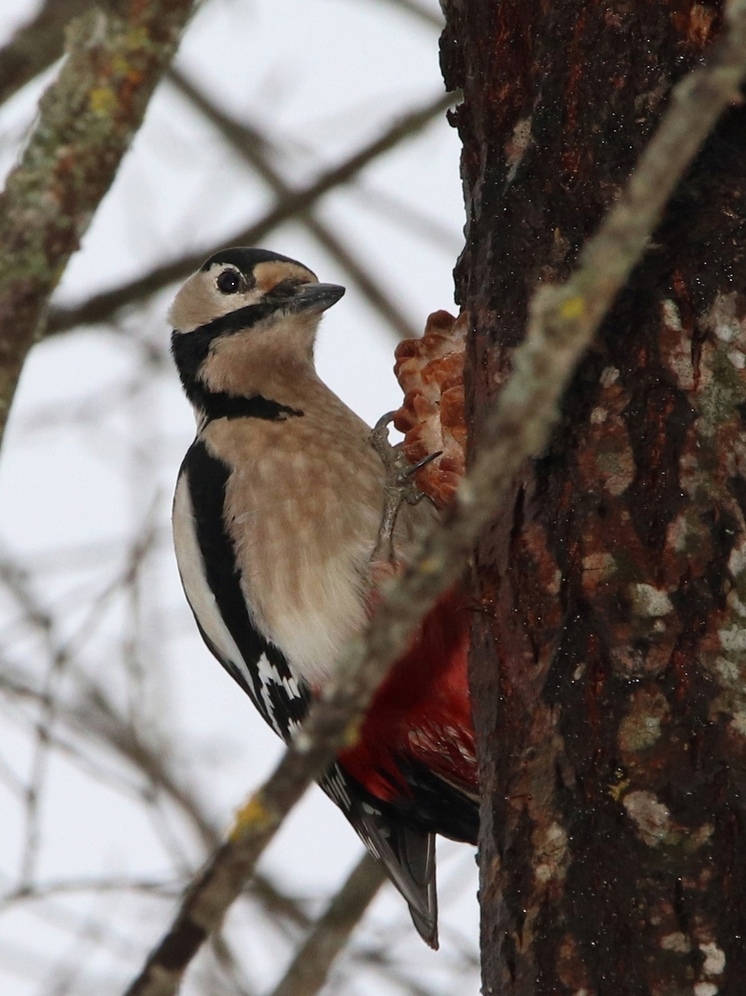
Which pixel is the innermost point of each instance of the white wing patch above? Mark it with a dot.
(269, 679)
(268, 672)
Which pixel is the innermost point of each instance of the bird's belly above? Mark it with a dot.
(305, 571)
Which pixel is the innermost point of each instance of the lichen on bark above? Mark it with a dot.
(608, 660)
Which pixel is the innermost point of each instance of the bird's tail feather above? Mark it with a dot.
(409, 858)
(408, 854)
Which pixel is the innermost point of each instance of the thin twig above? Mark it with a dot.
(418, 11)
(41, 890)
(562, 323)
(252, 148)
(93, 713)
(230, 979)
(408, 217)
(312, 962)
(101, 307)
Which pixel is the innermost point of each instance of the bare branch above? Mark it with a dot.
(87, 120)
(41, 890)
(252, 147)
(93, 714)
(563, 321)
(416, 10)
(35, 46)
(101, 307)
(310, 967)
(408, 217)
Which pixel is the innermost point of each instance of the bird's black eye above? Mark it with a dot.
(228, 282)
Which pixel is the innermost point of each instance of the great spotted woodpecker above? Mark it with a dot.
(277, 513)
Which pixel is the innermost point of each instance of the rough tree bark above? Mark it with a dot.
(609, 660)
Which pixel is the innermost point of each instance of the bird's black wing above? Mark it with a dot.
(258, 666)
(408, 853)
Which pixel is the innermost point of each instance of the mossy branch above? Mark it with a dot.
(87, 120)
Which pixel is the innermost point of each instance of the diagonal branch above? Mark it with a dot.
(93, 713)
(562, 323)
(252, 148)
(420, 12)
(37, 44)
(87, 120)
(101, 307)
(310, 967)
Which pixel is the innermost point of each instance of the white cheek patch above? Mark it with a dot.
(192, 571)
(200, 301)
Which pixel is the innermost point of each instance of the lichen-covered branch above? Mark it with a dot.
(87, 120)
(562, 324)
(606, 262)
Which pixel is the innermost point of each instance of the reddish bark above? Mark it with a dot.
(609, 661)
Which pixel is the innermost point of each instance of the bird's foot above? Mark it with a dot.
(400, 486)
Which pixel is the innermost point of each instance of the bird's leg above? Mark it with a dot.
(399, 487)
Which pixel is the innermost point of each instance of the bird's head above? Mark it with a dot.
(244, 316)
(242, 288)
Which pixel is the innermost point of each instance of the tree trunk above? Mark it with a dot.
(610, 653)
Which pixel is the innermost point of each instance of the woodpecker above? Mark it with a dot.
(277, 517)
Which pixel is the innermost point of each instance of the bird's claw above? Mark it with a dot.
(400, 485)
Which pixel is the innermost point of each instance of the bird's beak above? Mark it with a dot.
(314, 297)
